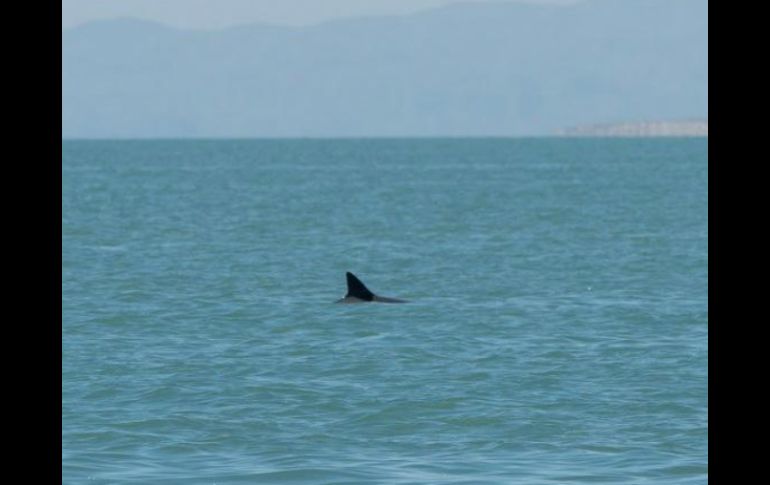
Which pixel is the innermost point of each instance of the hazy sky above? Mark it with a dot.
(215, 14)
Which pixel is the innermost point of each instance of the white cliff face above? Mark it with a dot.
(642, 128)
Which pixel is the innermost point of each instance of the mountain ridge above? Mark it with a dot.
(492, 69)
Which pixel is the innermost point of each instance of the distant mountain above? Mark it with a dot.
(468, 69)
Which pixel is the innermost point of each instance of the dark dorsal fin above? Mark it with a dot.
(357, 289)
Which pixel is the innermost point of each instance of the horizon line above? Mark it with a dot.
(374, 137)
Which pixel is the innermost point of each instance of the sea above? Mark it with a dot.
(556, 330)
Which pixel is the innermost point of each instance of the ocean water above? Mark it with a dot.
(556, 332)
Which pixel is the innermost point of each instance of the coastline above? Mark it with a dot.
(693, 128)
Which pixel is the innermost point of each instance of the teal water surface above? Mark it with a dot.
(556, 332)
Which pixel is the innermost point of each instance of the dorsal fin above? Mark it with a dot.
(357, 289)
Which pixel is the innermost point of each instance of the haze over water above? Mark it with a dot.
(556, 334)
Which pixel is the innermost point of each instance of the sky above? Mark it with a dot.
(218, 14)
(510, 71)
